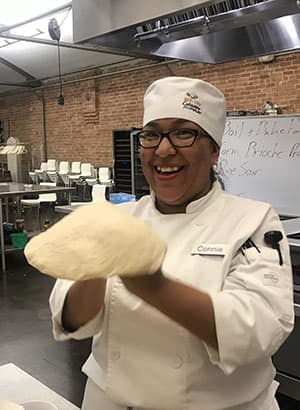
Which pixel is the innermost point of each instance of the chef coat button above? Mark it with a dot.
(115, 355)
(177, 362)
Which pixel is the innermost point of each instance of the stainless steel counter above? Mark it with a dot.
(66, 209)
(14, 189)
(292, 226)
(286, 359)
(18, 190)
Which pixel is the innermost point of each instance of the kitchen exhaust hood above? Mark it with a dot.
(212, 31)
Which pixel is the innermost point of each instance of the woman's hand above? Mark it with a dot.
(82, 303)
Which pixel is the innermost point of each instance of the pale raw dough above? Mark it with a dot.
(96, 241)
(9, 405)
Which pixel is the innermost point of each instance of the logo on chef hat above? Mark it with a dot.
(192, 102)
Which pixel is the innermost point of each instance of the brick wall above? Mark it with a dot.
(81, 130)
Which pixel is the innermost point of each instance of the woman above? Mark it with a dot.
(200, 332)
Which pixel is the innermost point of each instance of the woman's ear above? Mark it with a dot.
(215, 150)
(214, 147)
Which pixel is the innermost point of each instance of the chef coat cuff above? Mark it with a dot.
(231, 355)
(57, 300)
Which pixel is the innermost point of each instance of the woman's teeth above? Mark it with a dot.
(167, 170)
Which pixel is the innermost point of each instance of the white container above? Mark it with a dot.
(39, 405)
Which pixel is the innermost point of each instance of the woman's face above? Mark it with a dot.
(178, 175)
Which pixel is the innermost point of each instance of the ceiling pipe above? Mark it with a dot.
(128, 70)
(38, 17)
(89, 68)
(44, 148)
(71, 45)
(53, 77)
(44, 135)
(9, 84)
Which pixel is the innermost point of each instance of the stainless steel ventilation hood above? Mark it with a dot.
(212, 31)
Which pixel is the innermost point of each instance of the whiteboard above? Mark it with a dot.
(260, 159)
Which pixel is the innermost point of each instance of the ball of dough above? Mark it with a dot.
(9, 405)
(98, 240)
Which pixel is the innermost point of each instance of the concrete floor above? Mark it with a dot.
(26, 336)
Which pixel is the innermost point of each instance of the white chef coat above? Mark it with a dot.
(141, 358)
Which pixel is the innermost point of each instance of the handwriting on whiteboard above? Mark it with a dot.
(247, 140)
(260, 158)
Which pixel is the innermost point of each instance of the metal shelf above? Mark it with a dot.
(10, 248)
(128, 174)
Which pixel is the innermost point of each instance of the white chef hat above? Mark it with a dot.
(187, 98)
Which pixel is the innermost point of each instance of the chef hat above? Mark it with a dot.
(187, 98)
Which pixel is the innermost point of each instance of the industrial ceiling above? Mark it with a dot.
(28, 54)
(110, 32)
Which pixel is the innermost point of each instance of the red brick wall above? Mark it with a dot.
(81, 130)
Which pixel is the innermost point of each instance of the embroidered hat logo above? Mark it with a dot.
(192, 102)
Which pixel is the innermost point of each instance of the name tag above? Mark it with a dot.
(217, 249)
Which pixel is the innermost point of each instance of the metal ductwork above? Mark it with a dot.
(203, 31)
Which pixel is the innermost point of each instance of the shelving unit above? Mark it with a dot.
(128, 174)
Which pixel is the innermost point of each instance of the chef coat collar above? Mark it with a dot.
(195, 205)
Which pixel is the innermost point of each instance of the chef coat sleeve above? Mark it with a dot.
(56, 302)
(254, 311)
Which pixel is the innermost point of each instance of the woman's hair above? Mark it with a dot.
(214, 175)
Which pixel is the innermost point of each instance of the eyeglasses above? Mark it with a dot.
(180, 138)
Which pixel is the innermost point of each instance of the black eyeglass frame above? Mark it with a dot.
(161, 135)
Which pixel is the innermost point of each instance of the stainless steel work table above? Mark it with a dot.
(18, 190)
(66, 209)
(19, 387)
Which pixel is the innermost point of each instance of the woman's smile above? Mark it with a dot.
(177, 175)
(167, 173)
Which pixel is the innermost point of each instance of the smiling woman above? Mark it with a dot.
(178, 167)
(173, 171)
(182, 324)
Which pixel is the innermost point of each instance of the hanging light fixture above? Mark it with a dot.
(54, 32)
